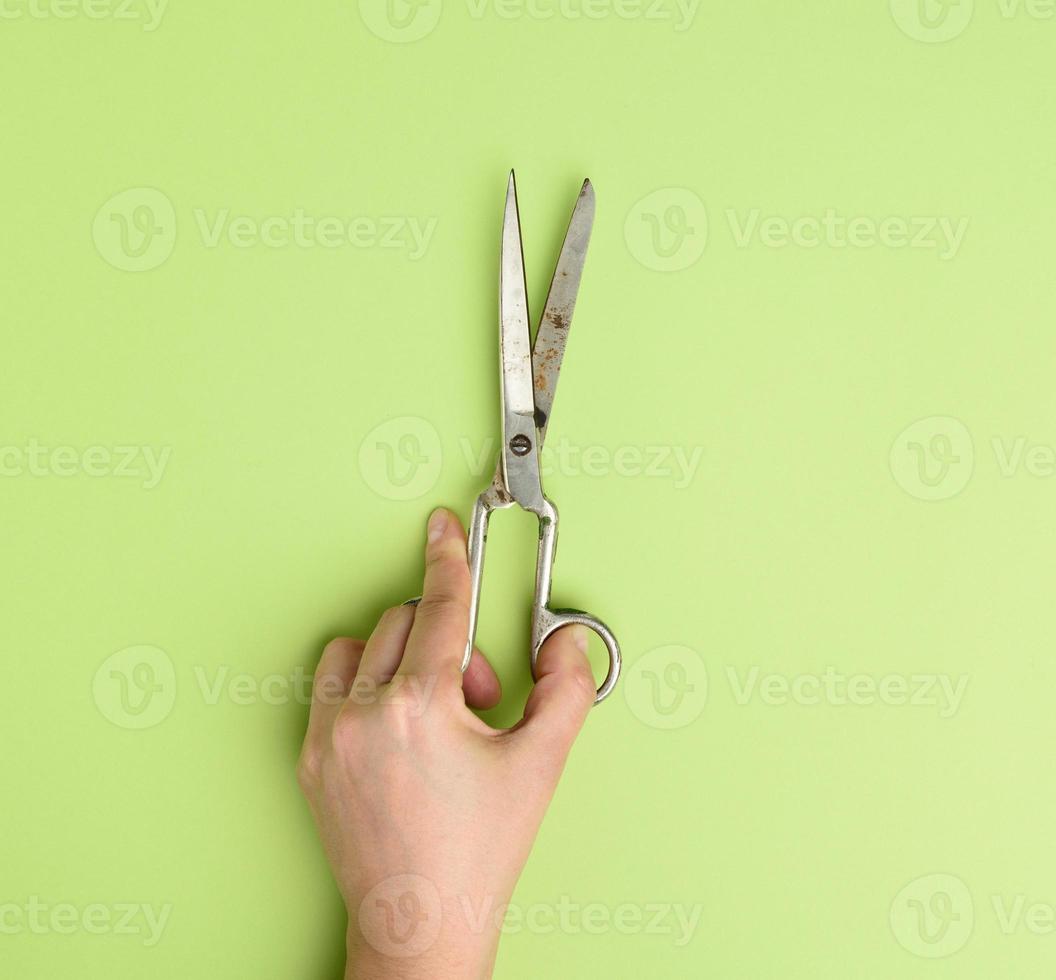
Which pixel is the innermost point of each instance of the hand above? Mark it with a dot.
(427, 814)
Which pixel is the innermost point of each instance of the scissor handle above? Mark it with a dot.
(545, 620)
(548, 621)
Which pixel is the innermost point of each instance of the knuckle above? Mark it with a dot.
(345, 731)
(342, 646)
(401, 724)
(309, 768)
(581, 680)
(450, 564)
(328, 689)
(443, 602)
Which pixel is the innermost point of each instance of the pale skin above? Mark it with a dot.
(427, 814)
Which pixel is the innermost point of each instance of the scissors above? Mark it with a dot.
(528, 378)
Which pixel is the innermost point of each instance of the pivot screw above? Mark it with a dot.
(521, 445)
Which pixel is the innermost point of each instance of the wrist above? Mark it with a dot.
(386, 942)
(456, 962)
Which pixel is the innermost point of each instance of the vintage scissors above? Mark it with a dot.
(528, 378)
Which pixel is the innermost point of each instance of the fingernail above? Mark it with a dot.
(580, 638)
(437, 524)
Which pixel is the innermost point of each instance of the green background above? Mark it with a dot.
(805, 539)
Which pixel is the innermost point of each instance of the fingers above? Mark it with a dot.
(333, 678)
(563, 694)
(437, 641)
(480, 683)
(384, 650)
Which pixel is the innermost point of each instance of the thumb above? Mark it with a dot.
(563, 694)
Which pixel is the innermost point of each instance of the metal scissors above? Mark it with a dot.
(528, 378)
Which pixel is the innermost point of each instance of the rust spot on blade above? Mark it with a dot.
(558, 319)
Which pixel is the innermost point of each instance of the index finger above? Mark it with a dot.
(437, 642)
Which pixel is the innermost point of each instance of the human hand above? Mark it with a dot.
(427, 814)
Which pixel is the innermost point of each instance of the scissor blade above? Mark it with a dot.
(519, 459)
(513, 313)
(560, 303)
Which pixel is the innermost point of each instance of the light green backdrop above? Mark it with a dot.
(806, 426)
